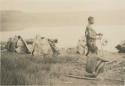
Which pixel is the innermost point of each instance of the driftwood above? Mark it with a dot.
(88, 78)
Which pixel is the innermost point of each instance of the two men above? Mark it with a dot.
(17, 44)
(94, 64)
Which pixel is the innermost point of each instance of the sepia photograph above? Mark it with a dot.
(62, 42)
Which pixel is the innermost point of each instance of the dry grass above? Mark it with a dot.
(18, 69)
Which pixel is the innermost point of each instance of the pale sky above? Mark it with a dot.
(62, 5)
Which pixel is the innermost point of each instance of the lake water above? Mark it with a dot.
(69, 35)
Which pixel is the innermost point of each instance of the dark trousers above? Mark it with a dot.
(91, 45)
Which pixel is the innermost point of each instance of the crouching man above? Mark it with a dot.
(21, 46)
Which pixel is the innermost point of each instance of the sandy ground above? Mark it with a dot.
(58, 72)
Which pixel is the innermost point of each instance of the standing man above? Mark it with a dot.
(91, 36)
(94, 64)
